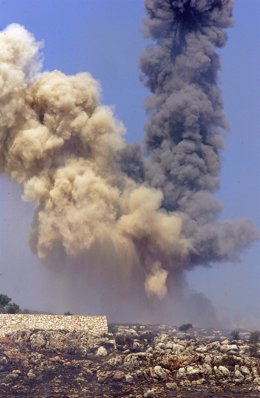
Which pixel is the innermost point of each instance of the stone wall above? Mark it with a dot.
(95, 325)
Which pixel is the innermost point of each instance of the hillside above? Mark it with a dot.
(129, 361)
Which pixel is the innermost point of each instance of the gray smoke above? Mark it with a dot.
(184, 130)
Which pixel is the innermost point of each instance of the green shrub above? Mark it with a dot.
(4, 300)
(112, 328)
(235, 335)
(253, 350)
(124, 340)
(254, 337)
(13, 308)
(7, 306)
(253, 343)
(185, 327)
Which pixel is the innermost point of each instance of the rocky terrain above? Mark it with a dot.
(129, 361)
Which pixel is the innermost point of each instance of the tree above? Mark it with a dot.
(234, 335)
(7, 306)
(254, 337)
(185, 327)
(13, 308)
(4, 300)
(253, 343)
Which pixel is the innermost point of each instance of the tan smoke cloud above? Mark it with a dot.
(62, 146)
(155, 283)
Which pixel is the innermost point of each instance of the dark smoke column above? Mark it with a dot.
(183, 134)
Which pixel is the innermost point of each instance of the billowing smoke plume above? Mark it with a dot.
(100, 204)
(183, 136)
(62, 146)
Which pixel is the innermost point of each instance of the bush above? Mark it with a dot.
(235, 335)
(148, 337)
(253, 343)
(7, 306)
(185, 327)
(112, 328)
(13, 308)
(253, 350)
(254, 337)
(4, 300)
(124, 340)
(68, 313)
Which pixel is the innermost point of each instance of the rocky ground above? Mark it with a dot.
(131, 361)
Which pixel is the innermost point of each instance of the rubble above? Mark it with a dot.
(127, 361)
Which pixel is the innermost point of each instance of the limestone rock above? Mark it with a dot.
(159, 373)
(224, 370)
(101, 351)
(132, 361)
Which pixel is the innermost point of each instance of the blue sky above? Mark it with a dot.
(104, 37)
